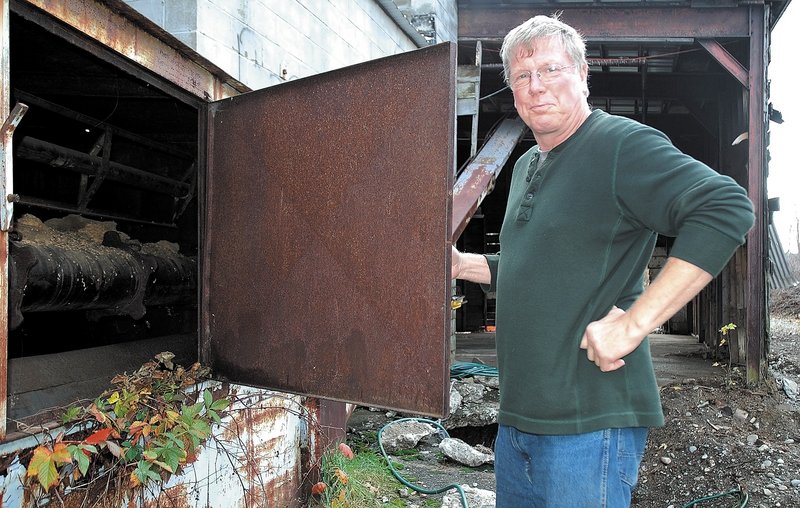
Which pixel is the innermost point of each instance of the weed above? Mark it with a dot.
(355, 480)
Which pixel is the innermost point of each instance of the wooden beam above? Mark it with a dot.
(611, 23)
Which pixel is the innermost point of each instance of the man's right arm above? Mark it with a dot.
(471, 267)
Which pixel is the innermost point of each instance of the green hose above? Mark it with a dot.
(458, 370)
(738, 494)
(406, 482)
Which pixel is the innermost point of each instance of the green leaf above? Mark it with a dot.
(89, 448)
(71, 414)
(80, 454)
(207, 398)
(191, 411)
(83, 462)
(173, 457)
(43, 467)
(219, 405)
(132, 454)
(142, 471)
(214, 416)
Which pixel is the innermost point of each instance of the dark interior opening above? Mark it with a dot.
(104, 239)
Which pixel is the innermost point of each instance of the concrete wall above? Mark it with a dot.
(443, 12)
(265, 42)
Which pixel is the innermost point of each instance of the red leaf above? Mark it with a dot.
(98, 437)
(318, 488)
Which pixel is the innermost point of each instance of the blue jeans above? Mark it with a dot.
(594, 470)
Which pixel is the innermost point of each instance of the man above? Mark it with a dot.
(577, 388)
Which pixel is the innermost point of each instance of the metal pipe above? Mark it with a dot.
(63, 273)
(62, 207)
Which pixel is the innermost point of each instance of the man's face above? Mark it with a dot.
(556, 107)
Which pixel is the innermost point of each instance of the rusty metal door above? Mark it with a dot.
(326, 235)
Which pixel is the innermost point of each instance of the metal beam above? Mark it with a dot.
(73, 160)
(611, 23)
(147, 49)
(726, 60)
(476, 181)
(5, 167)
(757, 248)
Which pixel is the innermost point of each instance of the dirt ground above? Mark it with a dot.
(720, 437)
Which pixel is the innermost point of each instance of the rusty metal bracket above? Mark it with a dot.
(6, 174)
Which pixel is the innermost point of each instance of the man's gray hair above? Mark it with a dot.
(524, 37)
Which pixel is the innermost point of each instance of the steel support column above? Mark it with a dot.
(757, 249)
(5, 166)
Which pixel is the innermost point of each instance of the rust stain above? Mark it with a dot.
(282, 490)
(173, 497)
(251, 418)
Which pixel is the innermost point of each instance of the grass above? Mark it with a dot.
(362, 481)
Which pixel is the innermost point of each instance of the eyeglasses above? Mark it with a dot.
(546, 74)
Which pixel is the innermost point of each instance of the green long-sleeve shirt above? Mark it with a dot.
(576, 239)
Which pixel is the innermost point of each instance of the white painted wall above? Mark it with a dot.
(266, 42)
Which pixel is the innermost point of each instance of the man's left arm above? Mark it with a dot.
(616, 335)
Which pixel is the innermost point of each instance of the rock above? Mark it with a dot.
(666, 460)
(490, 381)
(763, 448)
(740, 414)
(790, 388)
(476, 498)
(795, 483)
(461, 452)
(751, 439)
(405, 434)
(455, 400)
(767, 492)
(692, 449)
(477, 405)
(767, 463)
(789, 441)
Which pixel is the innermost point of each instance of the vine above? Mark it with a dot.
(145, 428)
